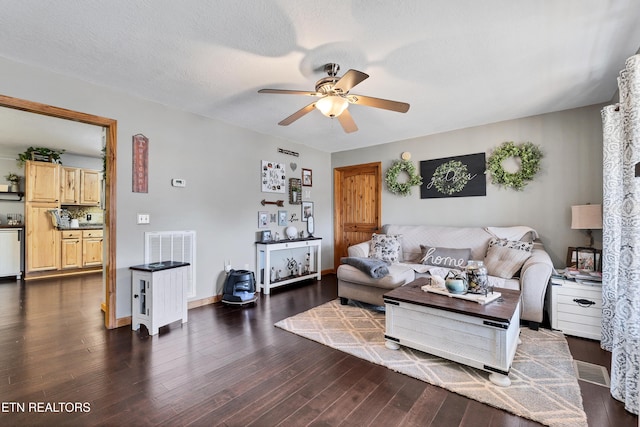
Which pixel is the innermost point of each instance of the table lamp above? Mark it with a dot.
(586, 217)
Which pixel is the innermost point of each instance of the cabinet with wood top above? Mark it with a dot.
(42, 238)
(70, 249)
(42, 182)
(92, 248)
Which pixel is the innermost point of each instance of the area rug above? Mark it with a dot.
(543, 387)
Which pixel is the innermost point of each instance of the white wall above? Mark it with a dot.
(220, 163)
(571, 174)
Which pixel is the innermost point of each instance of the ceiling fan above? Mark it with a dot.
(334, 98)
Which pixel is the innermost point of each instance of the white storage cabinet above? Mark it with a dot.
(576, 309)
(159, 294)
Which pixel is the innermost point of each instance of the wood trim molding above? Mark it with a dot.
(110, 186)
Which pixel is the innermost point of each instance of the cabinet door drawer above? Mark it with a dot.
(91, 233)
(71, 234)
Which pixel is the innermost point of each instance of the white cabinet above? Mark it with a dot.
(576, 309)
(10, 252)
(158, 294)
(265, 257)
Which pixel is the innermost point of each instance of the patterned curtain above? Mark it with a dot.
(621, 237)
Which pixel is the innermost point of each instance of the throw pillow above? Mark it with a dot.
(445, 257)
(506, 257)
(385, 247)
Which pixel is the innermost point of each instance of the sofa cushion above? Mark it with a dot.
(445, 257)
(385, 247)
(399, 274)
(506, 257)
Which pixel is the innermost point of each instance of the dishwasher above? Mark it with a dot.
(11, 240)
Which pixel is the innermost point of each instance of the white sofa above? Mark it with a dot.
(531, 280)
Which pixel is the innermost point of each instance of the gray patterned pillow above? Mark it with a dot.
(506, 257)
(385, 247)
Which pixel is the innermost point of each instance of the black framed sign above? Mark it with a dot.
(459, 176)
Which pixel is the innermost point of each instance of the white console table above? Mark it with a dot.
(264, 254)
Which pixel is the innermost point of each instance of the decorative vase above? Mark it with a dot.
(14, 187)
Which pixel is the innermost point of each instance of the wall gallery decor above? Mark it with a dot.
(527, 154)
(307, 210)
(307, 177)
(459, 176)
(140, 169)
(273, 177)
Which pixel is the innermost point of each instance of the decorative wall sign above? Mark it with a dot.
(273, 177)
(289, 152)
(459, 176)
(140, 167)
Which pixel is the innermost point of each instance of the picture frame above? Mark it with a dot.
(263, 219)
(583, 258)
(265, 236)
(307, 210)
(272, 177)
(282, 218)
(307, 178)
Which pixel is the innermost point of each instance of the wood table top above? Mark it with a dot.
(501, 310)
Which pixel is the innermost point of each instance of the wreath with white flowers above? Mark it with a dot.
(529, 155)
(450, 177)
(402, 188)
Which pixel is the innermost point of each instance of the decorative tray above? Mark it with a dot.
(479, 298)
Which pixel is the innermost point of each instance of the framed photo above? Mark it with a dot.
(307, 178)
(263, 219)
(589, 259)
(265, 236)
(307, 210)
(282, 217)
(272, 177)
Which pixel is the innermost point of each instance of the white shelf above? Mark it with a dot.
(264, 253)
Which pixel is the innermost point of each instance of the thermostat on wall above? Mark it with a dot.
(179, 182)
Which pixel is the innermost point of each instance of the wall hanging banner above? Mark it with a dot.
(459, 176)
(140, 163)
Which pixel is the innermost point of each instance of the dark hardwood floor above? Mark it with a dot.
(227, 366)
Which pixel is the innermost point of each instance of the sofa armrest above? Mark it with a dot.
(534, 279)
(359, 250)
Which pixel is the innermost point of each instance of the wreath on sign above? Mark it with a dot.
(450, 177)
(402, 188)
(529, 155)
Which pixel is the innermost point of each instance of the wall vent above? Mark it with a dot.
(173, 246)
(594, 374)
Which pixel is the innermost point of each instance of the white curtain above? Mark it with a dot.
(621, 237)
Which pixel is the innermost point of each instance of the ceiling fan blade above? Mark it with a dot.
(289, 92)
(346, 120)
(400, 107)
(295, 116)
(349, 80)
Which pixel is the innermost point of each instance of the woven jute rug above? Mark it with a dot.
(543, 386)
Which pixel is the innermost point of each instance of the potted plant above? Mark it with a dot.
(15, 182)
(295, 191)
(42, 154)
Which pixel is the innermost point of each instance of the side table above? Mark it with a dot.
(576, 309)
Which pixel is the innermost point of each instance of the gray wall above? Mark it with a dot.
(571, 174)
(220, 163)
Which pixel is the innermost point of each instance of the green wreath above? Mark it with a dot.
(450, 177)
(402, 188)
(529, 155)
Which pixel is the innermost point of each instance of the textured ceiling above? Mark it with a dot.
(458, 63)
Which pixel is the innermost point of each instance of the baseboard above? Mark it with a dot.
(329, 271)
(204, 301)
(123, 321)
(61, 273)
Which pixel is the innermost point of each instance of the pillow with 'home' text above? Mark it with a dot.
(445, 257)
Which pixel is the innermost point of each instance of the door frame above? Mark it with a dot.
(110, 125)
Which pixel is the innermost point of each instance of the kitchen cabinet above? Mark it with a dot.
(42, 182)
(71, 249)
(69, 186)
(92, 248)
(42, 238)
(89, 187)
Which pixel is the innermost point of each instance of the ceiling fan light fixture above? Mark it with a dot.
(332, 105)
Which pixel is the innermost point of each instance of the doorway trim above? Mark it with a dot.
(110, 186)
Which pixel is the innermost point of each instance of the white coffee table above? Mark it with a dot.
(476, 335)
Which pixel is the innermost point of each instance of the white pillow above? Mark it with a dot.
(385, 247)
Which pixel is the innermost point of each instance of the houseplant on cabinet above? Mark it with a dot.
(42, 154)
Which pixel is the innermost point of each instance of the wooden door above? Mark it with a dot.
(70, 186)
(90, 187)
(43, 239)
(42, 182)
(357, 197)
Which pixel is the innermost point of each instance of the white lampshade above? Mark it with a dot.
(586, 217)
(332, 105)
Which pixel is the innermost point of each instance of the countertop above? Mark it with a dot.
(83, 227)
(4, 226)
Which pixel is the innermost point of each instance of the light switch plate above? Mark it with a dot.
(144, 218)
